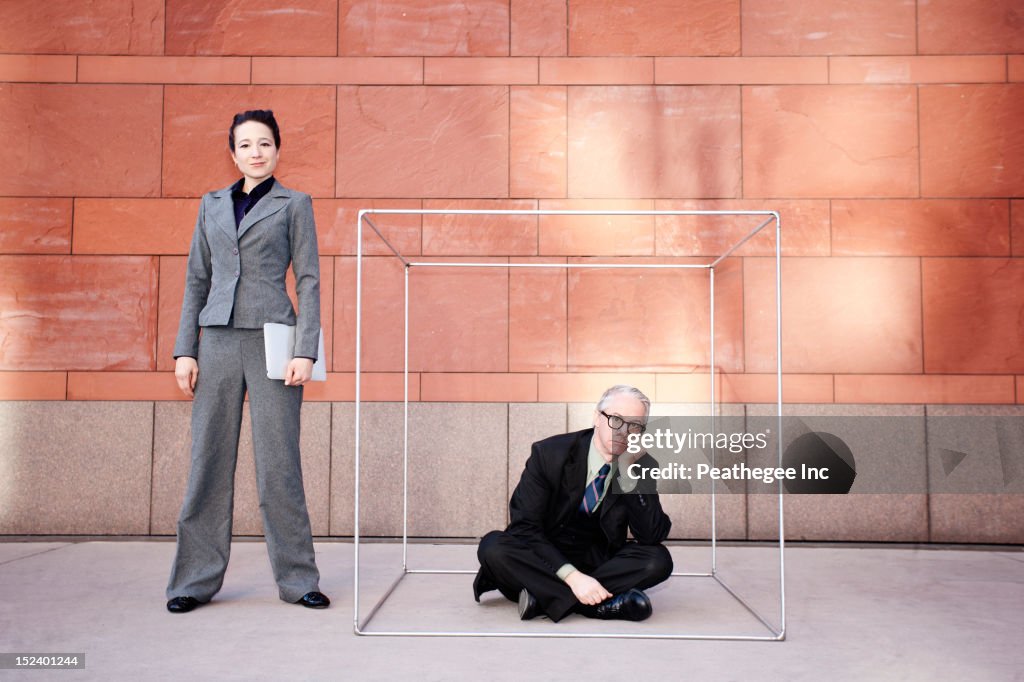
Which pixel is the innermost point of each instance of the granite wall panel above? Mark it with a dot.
(75, 468)
(654, 27)
(832, 141)
(115, 153)
(423, 28)
(970, 143)
(80, 447)
(888, 501)
(436, 142)
(972, 315)
(78, 312)
(661, 141)
(457, 468)
(792, 27)
(96, 27)
(263, 27)
(977, 494)
(35, 226)
(946, 26)
(538, 27)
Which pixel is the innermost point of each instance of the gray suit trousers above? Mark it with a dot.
(231, 362)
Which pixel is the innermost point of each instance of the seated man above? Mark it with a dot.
(565, 550)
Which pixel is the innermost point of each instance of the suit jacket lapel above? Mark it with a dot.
(574, 482)
(275, 200)
(222, 212)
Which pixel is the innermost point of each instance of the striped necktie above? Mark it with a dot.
(593, 493)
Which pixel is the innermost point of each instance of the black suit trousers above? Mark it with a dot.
(509, 565)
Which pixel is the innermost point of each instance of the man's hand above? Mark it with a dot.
(186, 371)
(627, 458)
(587, 590)
(299, 371)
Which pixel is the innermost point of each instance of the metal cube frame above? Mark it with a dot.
(360, 626)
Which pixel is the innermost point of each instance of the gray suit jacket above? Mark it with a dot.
(244, 270)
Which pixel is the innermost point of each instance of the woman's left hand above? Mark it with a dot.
(299, 371)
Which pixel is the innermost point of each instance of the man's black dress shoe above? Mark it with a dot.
(528, 607)
(182, 604)
(314, 600)
(631, 605)
(481, 584)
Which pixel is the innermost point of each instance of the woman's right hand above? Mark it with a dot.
(186, 371)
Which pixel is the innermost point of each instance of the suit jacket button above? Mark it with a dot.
(236, 273)
(234, 251)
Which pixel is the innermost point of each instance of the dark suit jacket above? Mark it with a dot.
(241, 272)
(550, 492)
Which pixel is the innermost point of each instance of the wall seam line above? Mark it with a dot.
(927, 482)
(330, 465)
(334, 166)
(746, 498)
(163, 117)
(152, 464)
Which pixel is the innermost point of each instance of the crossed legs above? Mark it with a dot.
(511, 566)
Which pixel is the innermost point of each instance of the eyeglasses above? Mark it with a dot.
(616, 422)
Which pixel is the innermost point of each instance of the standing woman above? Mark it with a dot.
(246, 236)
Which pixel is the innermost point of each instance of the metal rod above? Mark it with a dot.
(711, 372)
(742, 241)
(748, 607)
(778, 372)
(359, 338)
(571, 635)
(592, 266)
(405, 427)
(384, 239)
(512, 212)
(380, 602)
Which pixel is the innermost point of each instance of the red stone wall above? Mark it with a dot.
(887, 133)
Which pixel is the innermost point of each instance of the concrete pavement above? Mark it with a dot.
(853, 613)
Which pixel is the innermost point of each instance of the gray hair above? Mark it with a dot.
(628, 390)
